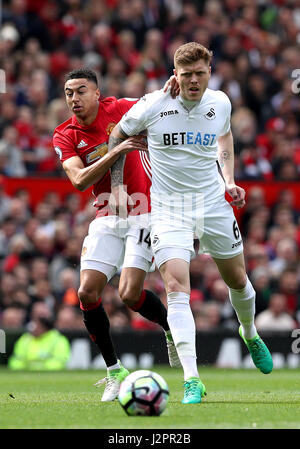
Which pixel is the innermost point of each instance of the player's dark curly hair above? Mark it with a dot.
(82, 73)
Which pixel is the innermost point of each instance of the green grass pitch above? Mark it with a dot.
(236, 399)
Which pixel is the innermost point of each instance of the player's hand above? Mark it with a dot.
(237, 194)
(120, 202)
(174, 86)
(133, 143)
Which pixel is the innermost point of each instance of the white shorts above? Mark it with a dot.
(214, 225)
(113, 243)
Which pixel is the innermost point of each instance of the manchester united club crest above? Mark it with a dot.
(110, 127)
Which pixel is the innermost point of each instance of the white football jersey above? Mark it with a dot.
(182, 142)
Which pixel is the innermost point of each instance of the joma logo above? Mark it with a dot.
(166, 113)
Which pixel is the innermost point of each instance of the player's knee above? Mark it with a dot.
(238, 282)
(87, 295)
(173, 285)
(129, 294)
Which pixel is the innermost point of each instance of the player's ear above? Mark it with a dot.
(175, 72)
(98, 93)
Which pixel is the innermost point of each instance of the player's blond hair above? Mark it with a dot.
(190, 53)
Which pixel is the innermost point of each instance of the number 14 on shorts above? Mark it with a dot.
(144, 237)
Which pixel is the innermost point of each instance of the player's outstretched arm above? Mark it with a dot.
(226, 161)
(84, 177)
(116, 172)
(119, 199)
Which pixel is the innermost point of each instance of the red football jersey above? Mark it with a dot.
(90, 143)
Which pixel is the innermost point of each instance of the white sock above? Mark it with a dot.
(182, 326)
(189, 365)
(243, 302)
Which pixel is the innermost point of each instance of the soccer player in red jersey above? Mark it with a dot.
(81, 143)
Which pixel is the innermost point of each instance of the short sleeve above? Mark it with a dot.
(126, 103)
(227, 115)
(63, 146)
(135, 120)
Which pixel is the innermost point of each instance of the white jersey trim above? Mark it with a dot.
(146, 163)
(131, 99)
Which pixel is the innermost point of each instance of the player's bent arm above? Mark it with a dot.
(84, 177)
(119, 198)
(226, 161)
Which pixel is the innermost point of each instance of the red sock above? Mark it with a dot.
(90, 305)
(140, 302)
(150, 307)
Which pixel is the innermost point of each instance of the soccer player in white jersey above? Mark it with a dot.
(192, 159)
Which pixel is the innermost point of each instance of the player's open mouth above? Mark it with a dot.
(77, 108)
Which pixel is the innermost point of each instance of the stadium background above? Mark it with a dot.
(130, 43)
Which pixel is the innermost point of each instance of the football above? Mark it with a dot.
(144, 393)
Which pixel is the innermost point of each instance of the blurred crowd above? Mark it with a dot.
(40, 254)
(130, 43)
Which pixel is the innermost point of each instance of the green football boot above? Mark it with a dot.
(194, 390)
(174, 360)
(259, 352)
(113, 382)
